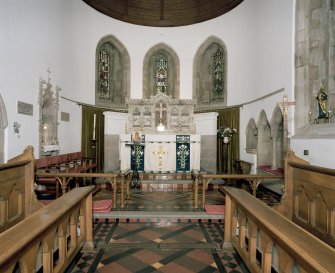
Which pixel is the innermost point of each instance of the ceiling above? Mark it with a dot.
(163, 13)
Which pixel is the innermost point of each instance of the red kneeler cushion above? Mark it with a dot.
(102, 205)
(215, 209)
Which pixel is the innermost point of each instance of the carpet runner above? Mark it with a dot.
(268, 169)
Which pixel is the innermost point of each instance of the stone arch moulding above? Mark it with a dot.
(118, 74)
(3, 126)
(202, 74)
(173, 84)
(251, 133)
(277, 136)
(264, 150)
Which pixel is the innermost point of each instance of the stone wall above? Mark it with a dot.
(314, 58)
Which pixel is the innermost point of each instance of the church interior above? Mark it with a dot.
(125, 147)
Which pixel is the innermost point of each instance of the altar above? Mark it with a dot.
(161, 152)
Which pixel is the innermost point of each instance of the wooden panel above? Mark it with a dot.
(310, 197)
(17, 199)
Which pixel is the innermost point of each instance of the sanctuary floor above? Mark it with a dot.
(160, 232)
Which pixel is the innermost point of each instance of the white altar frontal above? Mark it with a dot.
(163, 152)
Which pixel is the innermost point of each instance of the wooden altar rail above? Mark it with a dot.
(253, 179)
(64, 179)
(255, 230)
(63, 227)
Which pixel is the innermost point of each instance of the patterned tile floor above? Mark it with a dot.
(161, 245)
(156, 247)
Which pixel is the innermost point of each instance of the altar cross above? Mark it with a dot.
(286, 104)
(161, 108)
(160, 154)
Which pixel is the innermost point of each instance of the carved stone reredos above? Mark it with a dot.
(175, 114)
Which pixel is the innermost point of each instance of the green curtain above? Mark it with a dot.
(87, 143)
(229, 118)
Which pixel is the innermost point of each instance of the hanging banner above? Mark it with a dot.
(183, 153)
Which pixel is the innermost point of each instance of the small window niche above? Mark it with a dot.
(251, 137)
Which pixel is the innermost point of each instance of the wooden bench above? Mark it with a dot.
(309, 197)
(298, 233)
(34, 236)
(70, 162)
(17, 199)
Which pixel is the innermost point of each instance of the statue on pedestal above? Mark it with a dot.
(322, 102)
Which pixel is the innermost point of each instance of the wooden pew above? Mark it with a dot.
(267, 240)
(309, 197)
(55, 233)
(17, 197)
(33, 236)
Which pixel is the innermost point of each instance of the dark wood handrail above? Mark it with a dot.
(11, 165)
(25, 235)
(240, 176)
(312, 168)
(306, 249)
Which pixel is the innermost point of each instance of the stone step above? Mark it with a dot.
(167, 181)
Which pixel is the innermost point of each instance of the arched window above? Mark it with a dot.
(210, 75)
(161, 72)
(112, 73)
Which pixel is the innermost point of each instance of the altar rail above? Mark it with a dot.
(122, 178)
(259, 233)
(253, 179)
(63, 228)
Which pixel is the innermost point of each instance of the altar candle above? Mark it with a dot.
(94, 121)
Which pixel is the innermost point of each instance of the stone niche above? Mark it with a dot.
(48, 118)
(161, 114)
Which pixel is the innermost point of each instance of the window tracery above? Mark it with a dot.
(218, 83)
(161, 74)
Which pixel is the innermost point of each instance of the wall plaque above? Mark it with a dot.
(24, 108)
(64, 116)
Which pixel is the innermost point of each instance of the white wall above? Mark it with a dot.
(33, 35)
(63, 35)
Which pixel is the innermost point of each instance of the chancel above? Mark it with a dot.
(169, 139)
(167, 136)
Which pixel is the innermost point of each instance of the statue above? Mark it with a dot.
(136, 137)
(322, 102)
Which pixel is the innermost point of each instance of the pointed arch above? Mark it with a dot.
(264, 148)
(161, 50)
(251, 133)
(112, 73)
(208, 93)
(277, 135)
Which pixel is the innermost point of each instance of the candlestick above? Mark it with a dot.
(94, 122)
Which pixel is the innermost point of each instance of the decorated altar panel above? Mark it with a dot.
(161, 153)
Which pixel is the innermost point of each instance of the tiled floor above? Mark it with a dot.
(157, 247)
(187, 240)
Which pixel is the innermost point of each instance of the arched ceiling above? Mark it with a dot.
(163, 13)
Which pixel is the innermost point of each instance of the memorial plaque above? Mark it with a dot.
(24, 108)
(64, 116)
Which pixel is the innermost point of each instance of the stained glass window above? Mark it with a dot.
(218, 78)
(161, 74)
(104, 73)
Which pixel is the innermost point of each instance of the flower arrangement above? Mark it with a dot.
(226, 132)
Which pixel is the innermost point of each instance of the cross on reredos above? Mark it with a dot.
(160, 154)
(285, 104)
(160, 109)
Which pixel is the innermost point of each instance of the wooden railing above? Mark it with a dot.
(266, 239)
(54, 233)
(117, 179)
(253, 179)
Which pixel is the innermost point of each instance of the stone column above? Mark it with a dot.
(275, 139)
